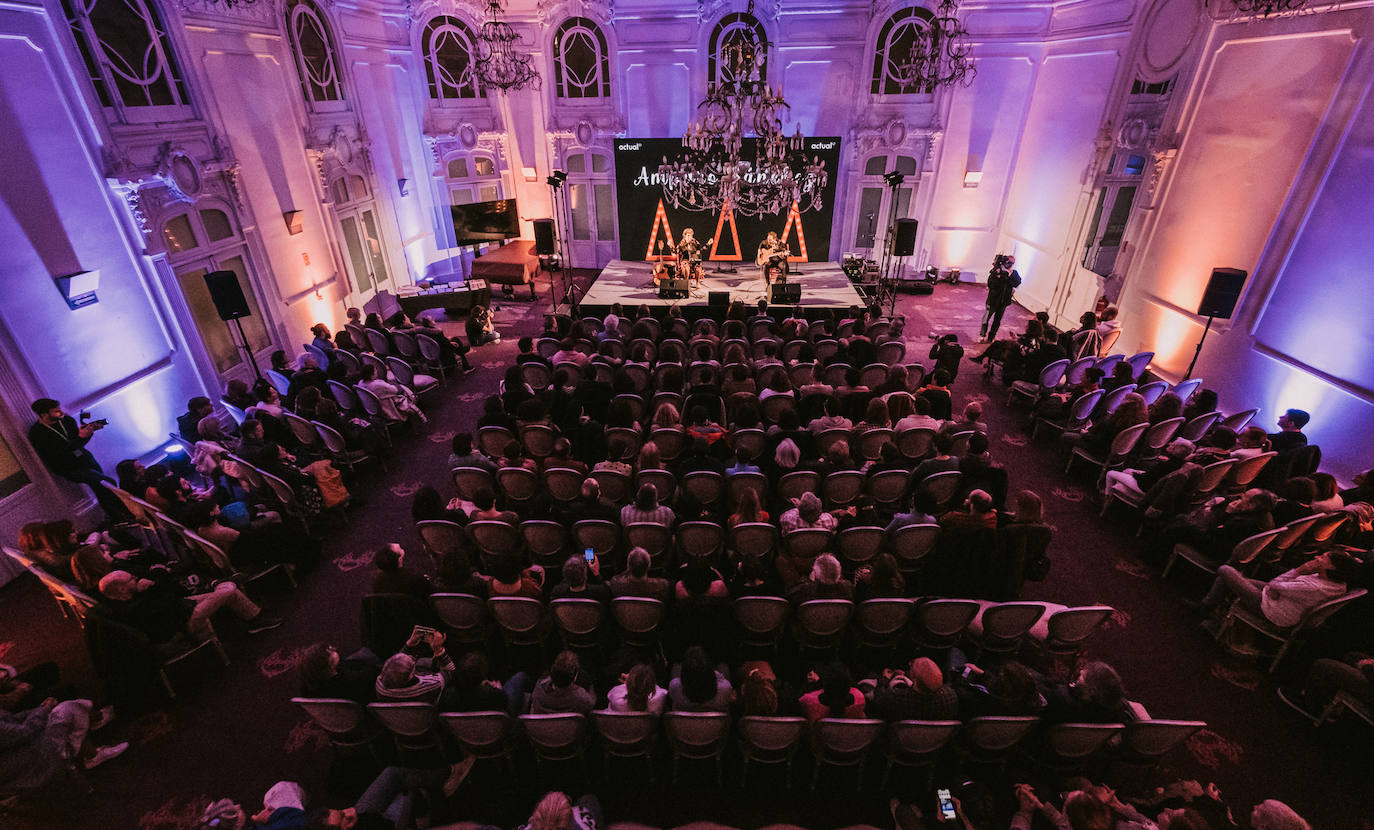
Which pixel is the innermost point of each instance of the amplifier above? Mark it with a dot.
(672, 288)
(718, 299)
(785, 293)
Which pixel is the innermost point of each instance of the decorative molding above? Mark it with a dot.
(1163, 151)
(259, 12)
(894, 133)
(472, 12)
(550, 13)
(1134, 133)
(133, 197)
(711, 10)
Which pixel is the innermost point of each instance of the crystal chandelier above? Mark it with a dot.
(711, 170)
(940, 52)
(1263, 9)
(499, 64)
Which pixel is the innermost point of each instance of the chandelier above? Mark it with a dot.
(713, 170)
(941, 54)
(499, 63)
(1267, 8)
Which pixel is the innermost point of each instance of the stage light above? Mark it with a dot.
(893, 179)
(560, 175)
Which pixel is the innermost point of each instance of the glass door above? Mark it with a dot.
(591, 205)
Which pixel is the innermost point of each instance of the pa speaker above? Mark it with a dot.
(543, 237)
(904, 242)
(718, 299)
(227, 295)
(672, 288)
(1222, 294)
(785, 293)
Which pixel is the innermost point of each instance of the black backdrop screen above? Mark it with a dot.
(638, 191)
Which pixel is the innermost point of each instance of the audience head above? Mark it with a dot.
(1179, 448)
(118, 585)
(1085, 811)
(899, 406)
(876, 413)
(564, 669)
(1203, 401)
(979, 501)
(1273, 814)
(640, 685)
(1029, 508)
(922, 405)
(1131, 411)
(426, 504)
(1093, 376)
(369, 372)
(1325, 484)
(647, 497)
(318, 664)
(1222, 438)
(553, 812)
(925, 674)
(809, 507)
(1099, 683)
(251, 429)
(944, 443)
(389, 557)
(836, 688)
(758, 691)
(698, 676)
(591, 489)
(1253, 437)
(575, 572)
(1015, 685)
(637, 562)
(940, 378)
(978, 443)
(484, 499)
(826, 570)
(397, 671)
(461, 444)
(1294, 419)
(525, 344)
(1165, 407)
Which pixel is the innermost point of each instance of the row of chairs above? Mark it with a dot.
(757, 328)
(1226, 475)
(705, 736)
(680, 348)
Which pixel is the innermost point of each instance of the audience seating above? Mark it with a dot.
(769, 740)
(843, 742)
(345, 721)
(557, 738)
(1286, 637)
(630, 735)
(699, 736)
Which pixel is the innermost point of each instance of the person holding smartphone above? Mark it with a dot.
(61, 444)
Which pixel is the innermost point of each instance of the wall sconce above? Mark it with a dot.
(973, 170)
(294, 222)
(79, 289)
(402, 184)
(531, 175)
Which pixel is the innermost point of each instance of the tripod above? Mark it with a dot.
(555, 182)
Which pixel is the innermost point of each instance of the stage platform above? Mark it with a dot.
(628, 282)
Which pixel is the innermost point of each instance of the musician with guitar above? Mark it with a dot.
(772, 254)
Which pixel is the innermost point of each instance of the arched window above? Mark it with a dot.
(126, 53)
(316, 61)
(894, 45)
(472, 178)
(447, 47)
(735, 29)
(581, 66)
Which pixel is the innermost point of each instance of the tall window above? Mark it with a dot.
(357, 214)
(447, 46)
(877, 205)
(316, 61)
(581, 67)
(737, 28)
(894, 45)
(126, 53)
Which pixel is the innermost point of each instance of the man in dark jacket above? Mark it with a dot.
(1002, 283)
(61, 444)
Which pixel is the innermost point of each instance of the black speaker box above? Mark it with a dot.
(904, 242)
(920, 287)
(1222, 294)
(785, 293)
(227, 295)
(718, 299)
(672, 288)
(543, 237)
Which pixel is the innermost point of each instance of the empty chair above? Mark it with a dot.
(843, 742)
(1157, 436)
(1145, 742)
(344, 720)
(520, 619)
(1312, 619)
(472, 480)
(941, 622)
(628, 735)
(856, 546)
(1071, 745)
(561, 737)
(441, 537)
(578, 621)
(464, 616)
(601, 535)
(768, 740)
(411, 725)
(1245, 552)
(761, 620)
(753, 539)
(638, 619)
(912, 543)
(821, 622)
(495, 539)
(1239, 420)
(1078, 370)
(917, 743)
(1005, 624)
(698, 736)
(483, 735)
(699, 540)
(839, 489)
(882, 621)
(1064, 633)
(1196, 428)
(990, 738)
(545, 541)
(941, 487)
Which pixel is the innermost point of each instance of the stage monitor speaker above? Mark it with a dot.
(672, 288)
(227, 295)
(785, 293)
(922, 288)
(904, 242)
(718, 299)
(1222, 294)
(543, 237)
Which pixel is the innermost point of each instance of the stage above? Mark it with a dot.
(823, 285)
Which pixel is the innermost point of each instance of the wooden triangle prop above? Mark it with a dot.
(794, 215)
(727, 213)
(660, 218)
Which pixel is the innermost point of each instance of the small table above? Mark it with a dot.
(514, 263)
(457, 296)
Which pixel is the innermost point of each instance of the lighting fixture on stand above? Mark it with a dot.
(555, 181)
(711, 172)
(887, 287)
(499, 64)
(940, 52)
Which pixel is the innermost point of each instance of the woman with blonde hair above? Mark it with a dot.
(666, 416)
(649, 458)
(555, 812)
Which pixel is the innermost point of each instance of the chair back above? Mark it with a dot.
(942, 487)
(873, 375)
(321, 357)
(704, 485)
(519, 618)
(1078, 369)
(564, 484)
(1152, 392)
(665, 483)
(405, 345)
(492, 441)
(1138, 362)
(1247, 550)
(1326, 526)
(857, 546)
(378, 341)
(372, 404)
(481, 734)
(739, 482)
(548, 347)
(912, 543)
(376, 362)
(441, 536)
(883, 620)
(769, 739)
(943, 621)
(1108, 363)
(472, 480)
(1110, 340)
(1079, 740)
(334, 715)
(638, 618)
(793, 485)
(844, 741)
(1159, 435)
(753, 539)
(1005, 624)
(352, 366)
(304, 431)
(1196, 428)
(842, 488)
(1239, 420)
(671, 441)
(1114, 398)
(697, 735)
(578, 620)
(1211, 477)
(822, 621)
(626, 734)
(761, 619)
(545, 540)
(1316, 617)
(537, 375)
(833, 374)
(891, 353)
(279, 382)
(67, 595)
(806, 542)
(1247, 470)
(495, 538)
(1069, 628)
(402, 373)
(557, 737)
(998, 734)
(343, 395)
(827, 438)
(920, 739)
(405, 720)
(601, 535)
(464, 615)
(751, 441)
(915, 442)
(1053, 374)
(872, 441)
(656, 540)
(699, 539)
(775, 405)
(518, 483)
(1156, 738)
(1124, 442)
(627, 438)
(1185, 388)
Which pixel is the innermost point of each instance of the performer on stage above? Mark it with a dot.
(772, 254)
(689, 256)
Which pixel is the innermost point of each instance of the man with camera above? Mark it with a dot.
(1002, 283)
(61, 444)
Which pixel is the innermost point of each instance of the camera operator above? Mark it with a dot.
(61, 444)
(1002, 283)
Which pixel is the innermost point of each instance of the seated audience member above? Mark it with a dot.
(1272, 814)
(236, 393)
(698, 581)
(947, 354)
(37, 744)
(528, 354)
(1251, 442)
(1290, 435)
(162, 614)
(514, 456)
(1285, 598)
(921, 513)
(700, 425)
(837, 696)
(581, 580)
(408, 678)
(937, 392)
(1216, 446)
(479, 327)
(428, 506)
(1122, 375)
(562, 457)
(943, 461)
(473, 690)
(1328, 499)
(977, 512)
(758, 690)
(564, 689)
(697, 686)
(398, 402)
(52, 545)
(325, 675)
(457, 575)
(617, 454)
(638, 692)
(393, 578)
(484, 500)
(832, 419)
(463, 455)
(1353, 674)
(826, 581)
(645, 509)
(875, 417)
(310, 376)
(754, 578)
(1094, 696)
(589, 505)
(969, 421)
(920, 419)
(1298, 495)
(197, 409)
(918, 693)
(1202, 402)
(1165, 408)
(494, 415)
(508, 580)
(806, 513)
(1363, 491)
(1139, 482)
(1220, 524)
(1010, 691)
(557, 812)
(635, 581)
(977, 461)
(747, 509)
(743, 464)
(880, 580)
